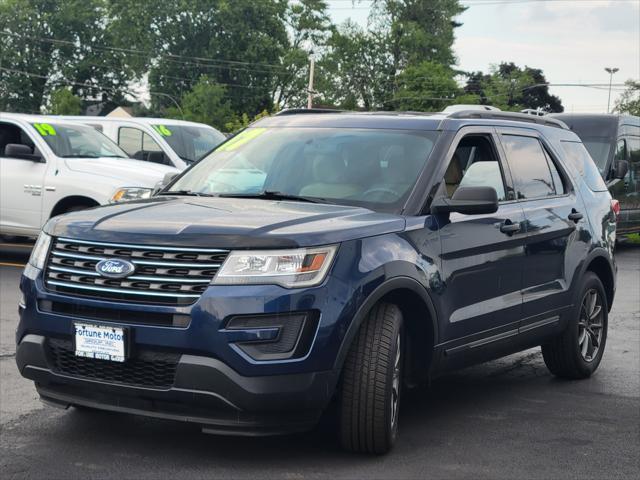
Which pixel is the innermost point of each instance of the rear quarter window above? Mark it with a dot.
(583, 165)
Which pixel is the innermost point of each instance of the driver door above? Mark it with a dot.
(482, 256)
(21, 184)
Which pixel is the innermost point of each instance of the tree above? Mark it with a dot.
(206, 103)
(427, 87)
(361, 68)
(63, 102)
(47, 44)
(354, 72)
(510, 87)
(629, 101)
(418, 30)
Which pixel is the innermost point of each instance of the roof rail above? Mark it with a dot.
(513, 116)
(291, 111)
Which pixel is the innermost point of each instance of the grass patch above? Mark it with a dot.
(633, 238)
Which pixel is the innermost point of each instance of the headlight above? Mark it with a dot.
(130, 193)
(40, 250)
(302, 267)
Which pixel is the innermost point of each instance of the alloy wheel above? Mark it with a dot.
(590, 325)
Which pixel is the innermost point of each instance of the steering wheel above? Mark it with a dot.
(386, 190)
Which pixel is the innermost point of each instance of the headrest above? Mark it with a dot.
(329, 168)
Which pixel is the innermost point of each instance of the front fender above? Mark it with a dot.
(386, 264)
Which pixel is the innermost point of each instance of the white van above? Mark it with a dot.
(157, 140)
(49, 167)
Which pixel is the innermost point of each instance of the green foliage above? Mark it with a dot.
(629, 101)
(63, 102)
(205, 103)
(510, 87)
(48, 44)
(354, 72)
(427, 86)
(225, 62)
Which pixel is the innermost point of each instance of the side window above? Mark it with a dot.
(621, 150)
(130, 140)
(10, 133)
(475, 164)
(140, 145)
(583, 165)
(632, 179)
(555, 174)
(529, 167)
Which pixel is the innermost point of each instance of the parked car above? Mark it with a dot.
(614, 144)
(165, 141)
(50, 167)
(372, 253)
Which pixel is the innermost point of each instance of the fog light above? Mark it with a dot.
(273, 337)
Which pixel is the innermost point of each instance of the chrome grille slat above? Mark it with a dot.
(136, 262)
(177, 276)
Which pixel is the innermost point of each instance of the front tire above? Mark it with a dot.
(577, 352)
(372, 383)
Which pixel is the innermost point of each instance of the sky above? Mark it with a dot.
(572, 41)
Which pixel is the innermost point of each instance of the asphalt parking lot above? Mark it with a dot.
(505, 419)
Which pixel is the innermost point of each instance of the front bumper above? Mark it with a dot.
(205, 391)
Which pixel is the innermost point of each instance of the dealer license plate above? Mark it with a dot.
(96, 341)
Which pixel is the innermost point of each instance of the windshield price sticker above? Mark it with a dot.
(241, 138)
(45, 129)
(162, 130)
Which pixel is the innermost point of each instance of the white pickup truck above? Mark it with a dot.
(49, 167)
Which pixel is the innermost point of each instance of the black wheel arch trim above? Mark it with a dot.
(391, 285)
(593, 255)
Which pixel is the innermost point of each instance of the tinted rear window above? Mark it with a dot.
(529, 167)
(582, 163)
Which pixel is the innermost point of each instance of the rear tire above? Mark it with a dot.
(577, 352)
(372, 383)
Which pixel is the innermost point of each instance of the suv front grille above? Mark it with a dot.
(146, 369)
(166, 275)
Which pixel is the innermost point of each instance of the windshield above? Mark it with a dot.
(364, 167)
(599, 148)
(190, 143)
(70, 141)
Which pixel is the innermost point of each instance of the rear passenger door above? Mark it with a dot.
(555, 227)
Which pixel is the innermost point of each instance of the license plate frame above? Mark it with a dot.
(100, 342)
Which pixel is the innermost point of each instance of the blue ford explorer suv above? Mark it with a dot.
(322, 260)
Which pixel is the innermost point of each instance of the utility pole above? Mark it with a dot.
(610, 71)
(310, 89)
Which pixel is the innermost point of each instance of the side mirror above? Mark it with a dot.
(620, 170)
(18, 150)
(469, 201)
(166, 180)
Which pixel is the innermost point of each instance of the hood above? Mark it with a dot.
(224, 223)
(129, 172)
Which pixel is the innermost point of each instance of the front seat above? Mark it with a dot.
(329, 173)
(453, 175)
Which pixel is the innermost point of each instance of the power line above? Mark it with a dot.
(145, 53)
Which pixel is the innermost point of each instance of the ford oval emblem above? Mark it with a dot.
(115, 268)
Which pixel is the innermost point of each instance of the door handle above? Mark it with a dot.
(509, 227)
(575, 216)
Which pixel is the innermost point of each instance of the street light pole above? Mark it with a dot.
(610, 71)
(310, 89)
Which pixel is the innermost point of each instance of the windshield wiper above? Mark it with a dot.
(273, 195)
(190, 193)
(80, 156)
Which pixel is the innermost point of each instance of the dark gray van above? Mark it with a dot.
(613, 142)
